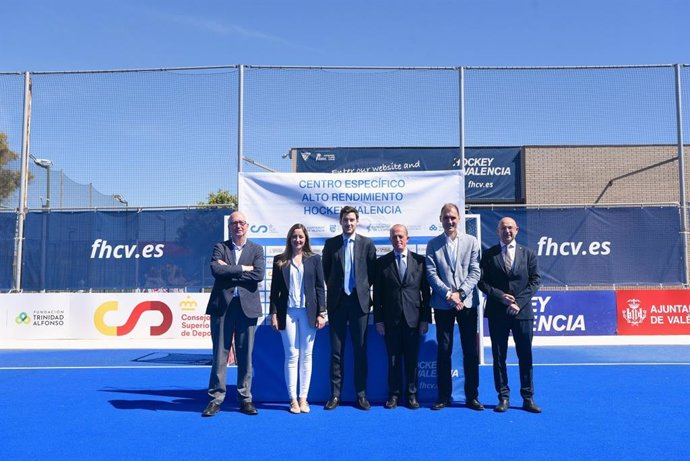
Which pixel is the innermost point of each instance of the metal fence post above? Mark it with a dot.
(240, 127)
(681, 172)
(23, 187)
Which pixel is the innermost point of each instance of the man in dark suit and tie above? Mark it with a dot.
(510, 277)
(234, 306)
(452, 267)
(349, 263)
(401, 313)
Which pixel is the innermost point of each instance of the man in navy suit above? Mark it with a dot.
(234, 306)
(510, 277)
(401, 314)
(349, 262)
(452, 267)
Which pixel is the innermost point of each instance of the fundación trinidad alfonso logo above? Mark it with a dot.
(23, 318)
(634, 314)
(131, 322)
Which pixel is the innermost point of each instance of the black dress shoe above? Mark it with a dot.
(502, 406)
(474, 404)
(529, 405)
(211, 409)
(412, 403)
(248, 408)
(363, 403)
(391, 403)
(332, 403)
(440, 405)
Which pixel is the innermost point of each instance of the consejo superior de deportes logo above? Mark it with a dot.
(131, 322)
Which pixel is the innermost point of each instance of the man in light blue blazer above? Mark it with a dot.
(452, 265)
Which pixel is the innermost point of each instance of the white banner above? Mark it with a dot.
(273, 202)
(111, 319)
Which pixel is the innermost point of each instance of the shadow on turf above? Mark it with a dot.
(176, 358)
(185, 400)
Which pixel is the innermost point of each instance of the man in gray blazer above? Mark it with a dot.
(349, 263)
(452, 265)
(510, 277)
(234, 306)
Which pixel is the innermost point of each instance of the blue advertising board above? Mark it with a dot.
(573, 313)
(597, 246)
(8, 223)
(169, 250)
(162, 250)
(492, 174)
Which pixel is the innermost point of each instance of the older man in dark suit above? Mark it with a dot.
(349, 262)
(234, 306)
(401, 313)
(510, 277)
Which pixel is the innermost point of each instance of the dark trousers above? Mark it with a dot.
(467, 325)
(349, 312)
(233, 321)
(499, 328)
(402, 346)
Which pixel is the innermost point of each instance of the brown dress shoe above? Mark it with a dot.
(474, 404)
(391, 403)
(332, 403)
(440, 405)
(211, 409)
(502, 406)
(412, 403)
(363, 403)
(529, 405)
(248, 408)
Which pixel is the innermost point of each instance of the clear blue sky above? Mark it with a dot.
(112, 34)
(167, 140)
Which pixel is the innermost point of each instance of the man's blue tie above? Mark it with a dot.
(349, 275)
(402, 266)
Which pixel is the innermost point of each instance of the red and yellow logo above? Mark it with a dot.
(139, 309)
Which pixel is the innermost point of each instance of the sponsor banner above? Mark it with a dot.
(493, 174)
(278, 200)
(152, 250)
(652, 312)
(572, 313)
(111, 317)
(588, 247)
(35, 316)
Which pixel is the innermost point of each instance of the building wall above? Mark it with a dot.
(581, 175)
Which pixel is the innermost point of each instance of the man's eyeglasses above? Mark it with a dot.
(238, 223)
